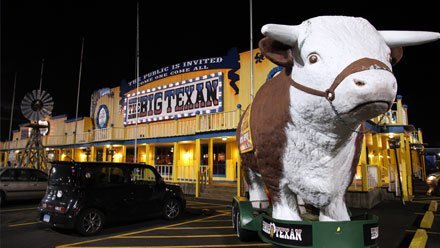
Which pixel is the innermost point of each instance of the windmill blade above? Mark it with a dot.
(26, 100)
(44, 112)
(34, 94)
(38, 94)
(46, 97)
(36, 105)
(33, 116)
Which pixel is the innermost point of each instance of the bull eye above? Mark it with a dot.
(313, 58)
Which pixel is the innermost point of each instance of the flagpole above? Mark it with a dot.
(12, 115)
(77, 98)
(137, 82)
(251, 53)
(41, 74)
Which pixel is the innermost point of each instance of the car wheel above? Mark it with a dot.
(172, 209)
(90, 222)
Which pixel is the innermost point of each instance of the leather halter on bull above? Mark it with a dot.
(359, 65)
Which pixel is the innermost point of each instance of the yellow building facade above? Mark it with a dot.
(183, 119)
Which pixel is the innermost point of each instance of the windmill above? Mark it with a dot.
(35, 106)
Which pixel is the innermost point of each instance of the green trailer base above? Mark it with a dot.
(361, 231)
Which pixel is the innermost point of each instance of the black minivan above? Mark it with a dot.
(86, 195)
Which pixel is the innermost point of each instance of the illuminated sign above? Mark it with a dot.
(230, 61)
(102, 116)
(181, 99)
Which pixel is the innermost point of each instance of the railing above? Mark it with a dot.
(56, 140)
(184, 173)
(218, 121)
(180, 127)
(187, 126)
(102, 134)
(166, 171)
(164, 129)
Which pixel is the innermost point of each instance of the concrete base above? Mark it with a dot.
(367, 199)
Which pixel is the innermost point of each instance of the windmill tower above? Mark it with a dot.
(35, 106)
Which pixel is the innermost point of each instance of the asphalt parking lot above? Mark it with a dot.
(206, 223)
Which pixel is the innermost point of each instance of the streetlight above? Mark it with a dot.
(394, 143)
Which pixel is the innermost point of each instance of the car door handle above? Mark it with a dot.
(35, 184)
(5, 185)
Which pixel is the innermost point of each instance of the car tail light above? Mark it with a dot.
(60, 209)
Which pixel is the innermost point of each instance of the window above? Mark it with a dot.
(99, 154)
(129, 155)
(24, 175)
(164, 155)
(104, 176)
(8, 175)
(204, 155)
(142, 176)
(38, 176)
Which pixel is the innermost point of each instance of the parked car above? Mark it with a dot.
(21, 184)
(85, 196)
(433, 183)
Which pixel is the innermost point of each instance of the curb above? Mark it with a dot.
(427, 220)
(433, 206)
(419, 240)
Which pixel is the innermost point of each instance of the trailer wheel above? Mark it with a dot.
(242, 234)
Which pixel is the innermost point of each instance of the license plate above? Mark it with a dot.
(46, 218)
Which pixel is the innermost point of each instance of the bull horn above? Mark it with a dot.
(408, 38)
(285, 34)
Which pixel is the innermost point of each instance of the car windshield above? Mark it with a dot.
(62, 175)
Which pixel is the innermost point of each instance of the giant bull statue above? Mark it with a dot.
(301, 136)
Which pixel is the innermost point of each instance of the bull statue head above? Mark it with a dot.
(343, 59)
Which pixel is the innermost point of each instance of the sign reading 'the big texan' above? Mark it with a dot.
(181, 99)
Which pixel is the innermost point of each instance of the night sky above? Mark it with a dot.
(176, 31)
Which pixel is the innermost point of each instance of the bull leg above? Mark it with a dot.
(335, 211)
(286, 207)
(257, 194)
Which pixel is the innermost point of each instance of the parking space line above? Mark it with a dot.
(24, 224)
(16, 209)
(205, 221)
(207, 203)
(198, 227)
(188, 246)
(425, 201)
(176, 236)
(428, 232)
(425, 213)
(136, 232)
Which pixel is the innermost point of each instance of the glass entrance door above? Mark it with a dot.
(219, 165)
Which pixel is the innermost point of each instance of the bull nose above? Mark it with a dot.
(359, 82)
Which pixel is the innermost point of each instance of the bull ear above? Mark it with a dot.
(276, 52)
(396, 55)
(408, 38)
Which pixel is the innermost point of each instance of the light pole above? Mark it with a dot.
(394, 144)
